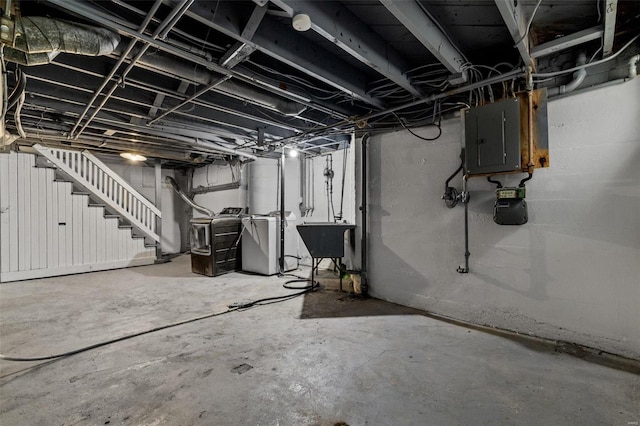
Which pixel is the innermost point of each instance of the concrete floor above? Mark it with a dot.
(321, 359)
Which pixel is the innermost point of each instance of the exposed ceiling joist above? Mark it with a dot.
(411, 15)
(566, 42)
(241, 50)
(285, 45)
(337, 24)
(219, 111)
(610, 12)
(513, 15)
(89, 12)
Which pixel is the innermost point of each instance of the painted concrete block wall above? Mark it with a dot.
(571, 273)
(142, 178)
(322, 205)
(213, 175)
(322, 211)
(264, 193)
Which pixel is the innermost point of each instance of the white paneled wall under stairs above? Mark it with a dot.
(51, 227)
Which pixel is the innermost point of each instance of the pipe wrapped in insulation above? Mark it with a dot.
(40, 39)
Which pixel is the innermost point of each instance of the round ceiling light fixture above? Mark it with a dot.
(301, 22)
(293, 153)
(133, 157)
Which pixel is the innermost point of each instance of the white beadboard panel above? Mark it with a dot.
(45, 230)
(101, 224)
(77, 225)
(53, 222)
(131, 247)
(86, 228)
(5, 208)
(75, 269)
(65, 224)
(111, 230)
(92, 215)
(43, 214)
(51, 229)
(13, 212)
(61, 225)
(124, 235)
(34, 217)
(24, 207)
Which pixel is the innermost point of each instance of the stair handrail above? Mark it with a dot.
(146, 220)
(122, 182)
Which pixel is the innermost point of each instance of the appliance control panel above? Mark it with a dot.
(234, 211)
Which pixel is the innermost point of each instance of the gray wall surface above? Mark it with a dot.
(264, 193)
(571, 273)
(214, 175)
(142, 177)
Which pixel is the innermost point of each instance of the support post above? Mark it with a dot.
(158, 176)
(282, 218)
(465, 199)
(364, 284)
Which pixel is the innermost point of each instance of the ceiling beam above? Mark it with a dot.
(284, 44)
(413, 17)
(217, 109)
(566, 42)
(241, 50)
(337, 24)
(108, 21)
(513, 17)
(610, 11)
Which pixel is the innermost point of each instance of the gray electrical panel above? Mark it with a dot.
(492, 138)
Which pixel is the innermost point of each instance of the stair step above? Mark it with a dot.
(45, 166)
(125, 226)
(80, 193)
(111, 216)
(43, 163)
(96, 205)
(62, 180)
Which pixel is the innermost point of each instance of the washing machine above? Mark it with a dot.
(261, 243)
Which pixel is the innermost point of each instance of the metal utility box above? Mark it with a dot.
(492, 138)
(509, 136)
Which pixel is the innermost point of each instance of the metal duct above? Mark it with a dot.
(188, 199)
(40, 39)
(241, 91)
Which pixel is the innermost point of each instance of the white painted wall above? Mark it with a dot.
(320, 213)
(213, 175)
(141, 176)
(264, 193)
(571, 273)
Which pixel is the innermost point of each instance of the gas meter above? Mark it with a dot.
(510, 207)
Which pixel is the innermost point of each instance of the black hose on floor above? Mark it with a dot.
(232, 308)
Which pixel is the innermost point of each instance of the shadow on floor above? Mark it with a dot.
(329, 302)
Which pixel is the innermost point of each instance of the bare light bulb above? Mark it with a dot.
(133, 157)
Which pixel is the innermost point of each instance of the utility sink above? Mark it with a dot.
(324, 239)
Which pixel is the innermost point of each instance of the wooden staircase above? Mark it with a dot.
(56, 219)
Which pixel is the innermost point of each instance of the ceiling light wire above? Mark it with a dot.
(526, 33)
